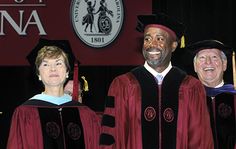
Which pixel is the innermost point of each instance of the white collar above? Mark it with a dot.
(154, 72)
(220, 85)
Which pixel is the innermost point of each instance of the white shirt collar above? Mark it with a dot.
(220, 85)
(154, 72)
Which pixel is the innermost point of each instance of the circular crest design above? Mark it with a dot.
(97, 22)
(149, 113)
(74, 131)
(52, 130)
(105, 24)
(224, 110)
(168, 115)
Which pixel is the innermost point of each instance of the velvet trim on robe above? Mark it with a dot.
(222, 114)
(165, 104)
(27, 130)
(193, 123)
(61, 128)
(108, 120)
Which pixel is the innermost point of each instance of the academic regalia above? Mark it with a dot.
(139, 114)
(221, 104)
(49, 122)
(38, 124)
(221, 101)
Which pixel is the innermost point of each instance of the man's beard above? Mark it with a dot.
(153, 62)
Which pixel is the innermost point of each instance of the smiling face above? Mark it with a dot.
(210, 64)
(158, 47)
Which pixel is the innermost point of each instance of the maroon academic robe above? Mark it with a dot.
(139, 114)
(38, 124)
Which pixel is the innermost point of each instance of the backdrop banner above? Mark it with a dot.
(101, 32)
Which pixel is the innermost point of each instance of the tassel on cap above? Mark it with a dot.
(85, 87)
(182, 42)
(234, 69)
(75, 82)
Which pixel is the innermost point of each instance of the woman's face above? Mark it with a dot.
(53, 72)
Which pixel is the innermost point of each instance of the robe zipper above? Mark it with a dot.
(63, 134)
(214, 118)
(159, 116)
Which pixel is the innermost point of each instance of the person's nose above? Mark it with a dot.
(208, 60)
(52, 67)
(154, 43)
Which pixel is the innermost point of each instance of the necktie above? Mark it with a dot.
(159, 78)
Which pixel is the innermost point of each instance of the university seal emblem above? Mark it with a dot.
(224, 110)
(150, 114)
(168, 115)
(97, 22)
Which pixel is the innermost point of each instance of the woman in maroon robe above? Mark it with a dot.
(52, 120)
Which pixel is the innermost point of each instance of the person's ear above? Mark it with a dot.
(195, 66)
(174, 45)
(224, 65)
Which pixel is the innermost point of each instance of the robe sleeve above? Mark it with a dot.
(24, 125)
(115, 120)
(194, 122)
(91, 127)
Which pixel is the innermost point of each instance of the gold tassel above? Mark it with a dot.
(234, 70)
(85, 87)
(182, 42)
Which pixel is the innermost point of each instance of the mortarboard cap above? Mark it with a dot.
(208, 44)
(163, 21)
(65, 46)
